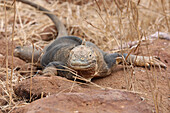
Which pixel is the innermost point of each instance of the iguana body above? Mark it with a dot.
(85, 58)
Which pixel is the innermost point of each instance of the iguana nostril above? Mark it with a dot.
(18, 47)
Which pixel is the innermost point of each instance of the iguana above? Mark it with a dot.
(72, 53)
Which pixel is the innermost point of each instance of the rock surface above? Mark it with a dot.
(98, 101)
(45, 85)
(16, 62)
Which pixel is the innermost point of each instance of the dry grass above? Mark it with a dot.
(107, 23)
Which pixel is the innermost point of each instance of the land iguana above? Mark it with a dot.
(83, 57)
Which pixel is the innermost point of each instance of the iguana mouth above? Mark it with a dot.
(78, 65)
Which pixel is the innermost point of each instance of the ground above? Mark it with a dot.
(139, 85)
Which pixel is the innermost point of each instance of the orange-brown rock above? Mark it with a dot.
(98, 101)
(46, 86)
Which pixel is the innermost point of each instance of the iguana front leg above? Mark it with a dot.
(60, 69)
(142, 61)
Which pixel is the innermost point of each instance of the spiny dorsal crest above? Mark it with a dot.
(84, 42)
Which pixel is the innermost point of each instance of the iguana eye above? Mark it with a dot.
(90, 54)
(82, 58)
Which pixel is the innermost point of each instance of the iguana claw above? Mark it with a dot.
(146, 61)
(50, 71)
(142, 61)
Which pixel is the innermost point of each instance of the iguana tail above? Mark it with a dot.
(59, 25)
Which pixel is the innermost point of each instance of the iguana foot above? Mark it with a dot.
(149, 61)
(50, 71)
(58, 69)
(142, 61)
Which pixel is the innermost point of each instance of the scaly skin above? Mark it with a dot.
(25, 53)
(67, 53)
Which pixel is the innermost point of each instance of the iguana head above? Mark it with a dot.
(82, 58)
